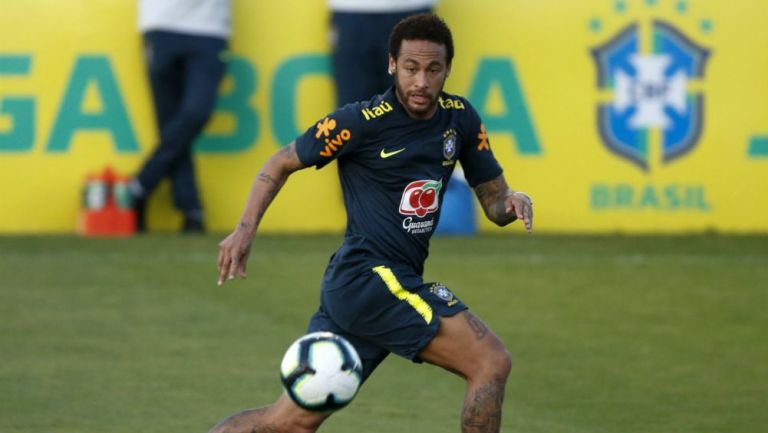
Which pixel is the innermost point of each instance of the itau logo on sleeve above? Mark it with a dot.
(651, 76)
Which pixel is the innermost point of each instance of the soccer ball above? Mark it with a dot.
(321, 371)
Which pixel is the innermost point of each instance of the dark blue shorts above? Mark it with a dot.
(382, 309)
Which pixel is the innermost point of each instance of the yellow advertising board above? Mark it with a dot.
(615, 115)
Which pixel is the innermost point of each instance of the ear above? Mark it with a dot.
(448, 71)
(392, 66)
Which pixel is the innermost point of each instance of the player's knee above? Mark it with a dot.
(504, 364)
(497, 362)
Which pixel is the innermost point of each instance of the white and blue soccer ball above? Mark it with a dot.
(321, 371)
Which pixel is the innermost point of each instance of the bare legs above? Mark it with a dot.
(282, 417)
(250, 421)
(465, 346)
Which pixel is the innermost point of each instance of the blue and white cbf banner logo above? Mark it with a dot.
(652, 88)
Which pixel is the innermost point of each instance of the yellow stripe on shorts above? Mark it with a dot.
(400, 293)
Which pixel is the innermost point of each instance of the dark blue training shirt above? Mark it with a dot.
(394, 171)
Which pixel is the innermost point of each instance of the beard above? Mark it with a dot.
(420, 111)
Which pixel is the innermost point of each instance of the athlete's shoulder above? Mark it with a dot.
(459, 108)
(460, 104)
(363, 117)
(346, 117)
(377, 108)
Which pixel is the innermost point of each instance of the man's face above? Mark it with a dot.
(420, 72)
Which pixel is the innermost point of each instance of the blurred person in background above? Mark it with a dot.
(359, 34)
(185, 43)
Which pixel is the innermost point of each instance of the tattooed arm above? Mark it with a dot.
(235, 248)
(267, 184)
(502, 205)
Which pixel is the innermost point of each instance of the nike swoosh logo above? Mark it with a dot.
(385, 154)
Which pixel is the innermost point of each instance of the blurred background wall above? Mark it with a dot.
(615, 115)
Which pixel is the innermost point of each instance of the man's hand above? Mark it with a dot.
(502, 205)
(233, 254)
(521, 205)
(235, 248)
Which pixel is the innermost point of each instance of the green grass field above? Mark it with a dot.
(608, 334)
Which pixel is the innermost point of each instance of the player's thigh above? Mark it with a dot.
(464, 344)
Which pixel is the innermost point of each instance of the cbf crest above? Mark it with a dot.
(651, 71)
(443, 293)
(449, 144)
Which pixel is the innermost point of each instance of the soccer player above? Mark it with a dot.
(395, 155)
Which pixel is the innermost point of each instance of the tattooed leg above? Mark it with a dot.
(281, 417)
(483, 402)
(477, 325)
(247, 421)
(482, 407)
(466, 346)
